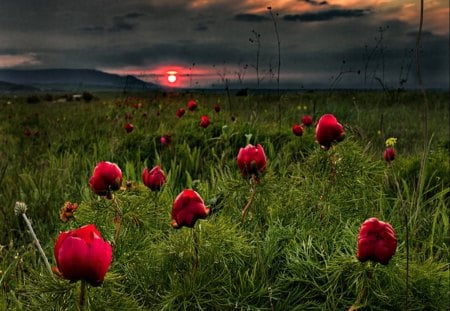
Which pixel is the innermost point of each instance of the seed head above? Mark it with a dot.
(20, 208)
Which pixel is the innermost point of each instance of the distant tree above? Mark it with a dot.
(33, 99)
(48, 97)
(87, 97)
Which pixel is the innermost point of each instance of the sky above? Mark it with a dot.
(206, 43)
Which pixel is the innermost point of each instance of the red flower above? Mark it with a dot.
(217, 108)
(82, 254)
(154, 178)
(192, 105)
(251, 160)
(376, 241)
(180, 112)
(297, 130)
(128, 127)
(329, 130)
(106, 177)
(204, 121)
(166, 139)
(389, 154)
(307, 120)
(187, 208)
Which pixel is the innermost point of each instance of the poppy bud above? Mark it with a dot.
(192, 105)
(251, 160)
(165, 139)
(376, 241)
(82, 254)
(106, 177)
(180, 112)
(389, 154)
(128, 127)
(204, 121)
(188, 206)
(297, 130)
(154, 178)
(307, 120)
(329, 130)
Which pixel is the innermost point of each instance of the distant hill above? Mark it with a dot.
(73, 80)
(6, 87)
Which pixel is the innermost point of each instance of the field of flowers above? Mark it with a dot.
(185, 201)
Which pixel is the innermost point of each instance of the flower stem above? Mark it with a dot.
(81, 299)
(117, 219)
(333, 160)
(363, 293)
(38, 245)
(252, 196)
(196, 247)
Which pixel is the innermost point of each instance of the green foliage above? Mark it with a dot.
(295, 250)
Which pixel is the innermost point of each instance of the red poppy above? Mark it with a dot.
(106, 177)
(307, 120)
(389, 154)
(329, 130)
(166, 139)
(376, 241)
(297, 130)
(82, 254)
(128, 127)
(204, 121)
(251, 160)
(180, 112)
(217, 108)
(188, 206)
(154, 178)
(192, 105)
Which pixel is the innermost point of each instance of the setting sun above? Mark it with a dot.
(172, 76)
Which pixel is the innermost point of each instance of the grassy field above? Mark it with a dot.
(296, 250)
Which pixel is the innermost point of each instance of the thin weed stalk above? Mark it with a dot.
(406, 223)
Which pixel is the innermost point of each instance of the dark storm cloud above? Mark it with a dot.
(145, 34)
(134, 15)
(201, 27)
(119, 23)
(315, 3)
(125, 22)
(92, 28)
(246, 17)
(326, 15)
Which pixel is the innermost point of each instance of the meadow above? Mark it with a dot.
(295, 250)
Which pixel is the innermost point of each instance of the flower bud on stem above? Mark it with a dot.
(21, 208)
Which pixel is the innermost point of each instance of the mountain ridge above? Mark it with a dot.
(73, 79)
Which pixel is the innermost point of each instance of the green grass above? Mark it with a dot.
(296, 250)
